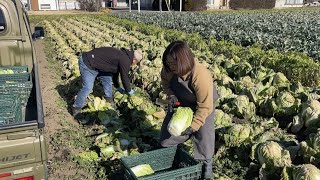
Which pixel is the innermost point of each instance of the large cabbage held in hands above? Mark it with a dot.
(180, 121)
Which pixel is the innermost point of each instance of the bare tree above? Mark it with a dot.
(90, 5)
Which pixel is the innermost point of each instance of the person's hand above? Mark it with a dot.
(173, 100)
(187, 132)
(121, 90)
(131, 92)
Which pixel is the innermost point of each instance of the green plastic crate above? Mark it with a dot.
(20, 74)
(168, 163)
(21, 88)
(10, 109)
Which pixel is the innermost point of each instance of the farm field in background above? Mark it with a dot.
(267, 116)
(288, 30)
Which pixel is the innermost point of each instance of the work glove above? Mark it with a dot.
(173, 102)
(131, 92)
(187, 132)
(121, 90)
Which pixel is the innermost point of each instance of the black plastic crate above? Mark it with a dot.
(23, 89)
(168, 163)
(21, 74)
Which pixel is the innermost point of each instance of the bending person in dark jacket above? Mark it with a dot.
(108, 62)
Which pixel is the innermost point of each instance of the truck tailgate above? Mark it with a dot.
(21, 147)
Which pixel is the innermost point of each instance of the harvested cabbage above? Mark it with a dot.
(142, 170)
(6, 71)
(180, 121)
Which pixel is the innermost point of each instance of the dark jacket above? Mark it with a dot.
(111, 60)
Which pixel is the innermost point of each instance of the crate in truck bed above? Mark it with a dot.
(168, 163)
(21, 88)
(10, 109)
(19, 73)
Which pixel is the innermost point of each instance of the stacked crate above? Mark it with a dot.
(15, 89)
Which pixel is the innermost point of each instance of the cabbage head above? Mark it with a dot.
(241, 69)
(307, 172)
(301, 172)
(216, 73)
(142, 170)
(259, 92)
(280, 80)
(311, 148)
(225, 81)
(223, 93)
(269, 107)
(108, 116)
(261, 73)
(98, 104)
(221, 119)
(218, 59)
(88, 156)
(287, 104)
(245, 82)
(135, 101)
(6, 71)
(237, 134)
(306, 96)
(242, 107)
(285, 100)
(148, 107)
(309, 116)
(107, 152)
(228, 63)
(297, 88)
(315, 140)
(311, 112)
(273, 155)
(180, 120)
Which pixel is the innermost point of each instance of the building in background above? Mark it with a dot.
(144, 4)
(52, 5)
(289, 3)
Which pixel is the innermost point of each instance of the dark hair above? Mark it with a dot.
(178, 55)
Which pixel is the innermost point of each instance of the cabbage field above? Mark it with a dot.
(267, 117)
(284, 30)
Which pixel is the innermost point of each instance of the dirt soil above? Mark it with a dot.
(63, 135)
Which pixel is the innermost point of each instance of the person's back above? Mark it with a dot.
(108, 63)
(108, 59)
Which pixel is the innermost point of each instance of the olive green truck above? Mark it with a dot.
(23, 153)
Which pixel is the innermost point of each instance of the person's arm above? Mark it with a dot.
(203, 87)
(124, 74)
(115, 80)
(165, 81)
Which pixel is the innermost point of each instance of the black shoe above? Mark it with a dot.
(76, 111)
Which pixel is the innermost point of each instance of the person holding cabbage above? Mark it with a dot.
(191, 84)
